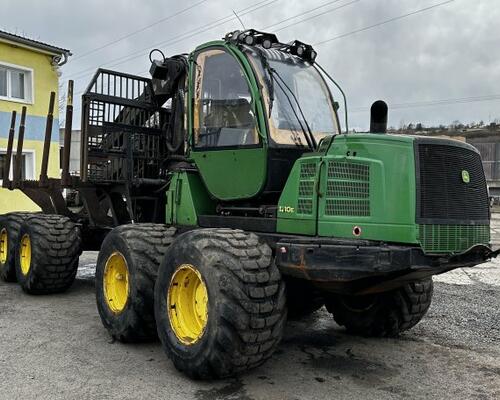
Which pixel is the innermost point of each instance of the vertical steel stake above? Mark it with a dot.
(19, 154)
(46, 145)
(6, 181)
(66, 178)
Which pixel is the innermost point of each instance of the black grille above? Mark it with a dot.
(443, 195)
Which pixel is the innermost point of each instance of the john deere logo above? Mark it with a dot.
(465, 176)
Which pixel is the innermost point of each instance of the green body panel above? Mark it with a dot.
(187, 198)
(363, 180)
(297, 208)
(373, 190)
(244, 168)
(232, 174)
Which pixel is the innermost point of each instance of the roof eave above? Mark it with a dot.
(32, 45)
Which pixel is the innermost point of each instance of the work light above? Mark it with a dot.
(267, 43)
(302, 50)
(249, 40)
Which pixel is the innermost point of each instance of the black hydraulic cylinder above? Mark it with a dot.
(48, 136)
(65, 177)
(19, 154)
(8, 156)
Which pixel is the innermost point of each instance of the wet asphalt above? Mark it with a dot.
(54, 347)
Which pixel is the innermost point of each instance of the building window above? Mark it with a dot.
(16, 83)
(27, 165)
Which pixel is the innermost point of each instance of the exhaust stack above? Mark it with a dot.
(378, 117)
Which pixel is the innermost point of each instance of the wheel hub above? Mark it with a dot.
(25, 253)
(3, 246)
(116, 282)
(187, 302)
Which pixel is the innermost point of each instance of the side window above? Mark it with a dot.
(223, 114)
(16, 84)
(27, 165)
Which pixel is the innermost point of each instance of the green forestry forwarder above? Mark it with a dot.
(222, 194)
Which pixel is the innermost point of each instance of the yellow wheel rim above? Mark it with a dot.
(3, 246)
(187, 302)
(25, 253)
(116, 282)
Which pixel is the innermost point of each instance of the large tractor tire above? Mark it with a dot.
(47, 254)
(10, 224)
(384, 314)
(302, 298)
(126, 271)
(220, 303)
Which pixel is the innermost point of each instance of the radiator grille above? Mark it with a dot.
(306, 188)
(308, 170)
(452, 198)
(443, 195)
(304, 206)
(356, 208)
(348, 189)
(348, 170)
(452, 238)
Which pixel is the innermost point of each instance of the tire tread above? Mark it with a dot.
(395, 311)
(55, 268)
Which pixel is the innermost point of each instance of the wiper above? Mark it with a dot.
(269, 81)
(310, 139)
(320, 68)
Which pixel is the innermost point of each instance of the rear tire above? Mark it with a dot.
(54, 243)
(302, 298)
(10, 224)
(383, 314)
(142, 247)
(243, 307)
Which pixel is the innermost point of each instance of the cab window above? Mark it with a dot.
(223, 115)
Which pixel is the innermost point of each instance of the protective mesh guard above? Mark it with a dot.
(452, 238)
(348, 189)
(306, 188)
(451, 186)
(122, 135)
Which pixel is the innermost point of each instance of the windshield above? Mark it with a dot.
(290, 74)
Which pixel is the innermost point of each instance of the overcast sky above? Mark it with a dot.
(448, 52)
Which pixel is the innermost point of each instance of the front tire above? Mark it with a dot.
(126, 271)
(47, 254)
(219, 303)
(383, 314)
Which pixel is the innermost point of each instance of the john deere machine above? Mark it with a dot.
(221, 192)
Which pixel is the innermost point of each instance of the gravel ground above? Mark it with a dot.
(54, 347)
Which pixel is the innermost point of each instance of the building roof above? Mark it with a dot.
(34, 44)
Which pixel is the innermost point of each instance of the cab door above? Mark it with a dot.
(226, 140)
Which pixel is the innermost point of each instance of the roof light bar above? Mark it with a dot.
(251, 37)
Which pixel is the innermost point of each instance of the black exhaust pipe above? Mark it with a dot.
(378, 117)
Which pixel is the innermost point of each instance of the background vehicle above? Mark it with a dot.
(222, 192)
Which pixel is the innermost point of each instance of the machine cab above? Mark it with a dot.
(227, 134)
(254, 112)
